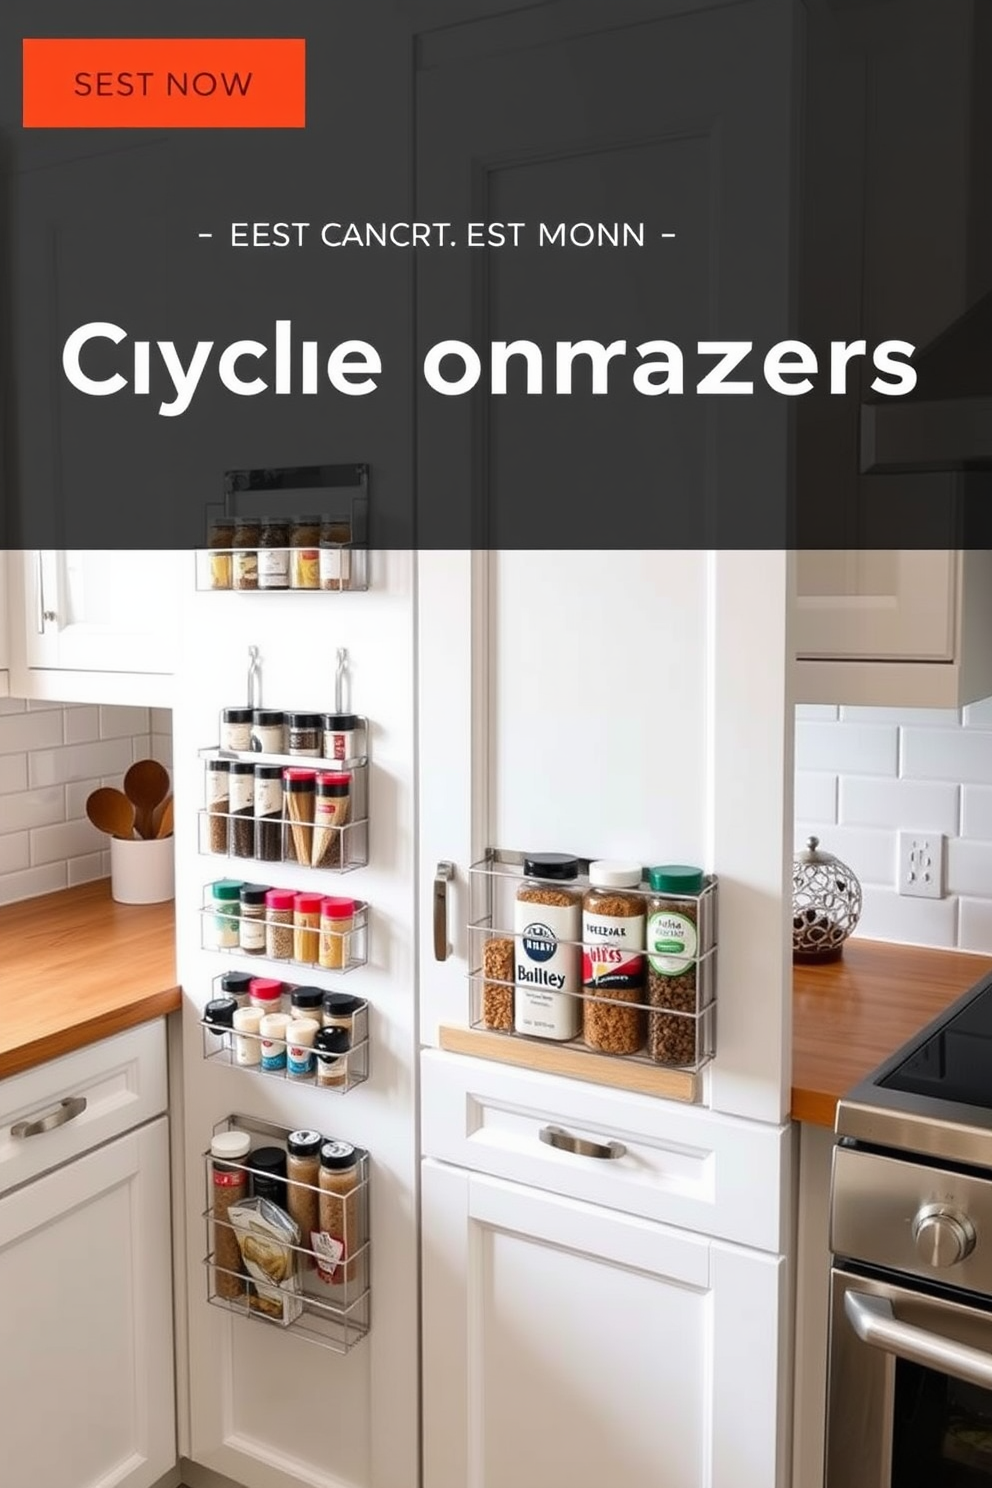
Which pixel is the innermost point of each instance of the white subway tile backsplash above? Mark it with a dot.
(815, 797)
(161, 721)
(919, 805)
(969, 868)
(902, 717)
(20, 732)
(976, 812)
(975, 925)
(887, 915)
(960, 755)
(869, 853)
(978, 715)
(51, 756)
(862, 749)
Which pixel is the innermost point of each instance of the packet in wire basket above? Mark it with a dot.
(266, 1235)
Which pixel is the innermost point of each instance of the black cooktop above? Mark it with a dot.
(952, 1062)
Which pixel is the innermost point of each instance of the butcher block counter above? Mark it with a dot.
(76, 967)
(849, 1015)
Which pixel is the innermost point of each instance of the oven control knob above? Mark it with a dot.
(943, 1236)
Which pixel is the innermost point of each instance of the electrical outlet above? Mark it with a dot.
(920, 872)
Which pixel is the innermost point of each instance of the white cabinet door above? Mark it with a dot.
(880, 605)
(86, 1350)
(567, 1343)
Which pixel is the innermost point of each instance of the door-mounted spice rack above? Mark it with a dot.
(302, 928)
(332, 1054)
(257, 541)
(635, 990)
(316, 1285)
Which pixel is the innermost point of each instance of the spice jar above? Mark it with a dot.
(236, 984)
(229, 1184)
(251, 925)
(222, 925)
(273, 554)
(273, 1034)
(331, 1047)
(304, 734)
(268, 813)
(335, 560)
(340, 735)
(338, 1211)
(300, 1035)
(235, 730)
(306, 928)
(307, 1002)
(547, 922)
(265, 993)
(244, 566)
(218, 803)
(299, 791)
(305, 558)
(673, 946)
(341, 1010)
(612, 938)
(241, 843)
(337, 916)
(219, 1013)
(331, 810)
(269, 1167)
(220, 540)
(267, 725)
(302, 1198)
(279, 924)
(247, 1040)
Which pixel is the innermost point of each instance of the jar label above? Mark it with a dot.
(612, 964)
(338, 746)
(329, 1250)
(237, 737)
(268, 797)
(242, 793)
(542, 960)
(252, 932)
(217, 787)
(273, 568)
(335, 566)
(673, 942)
(306, 568)
(299, 1059)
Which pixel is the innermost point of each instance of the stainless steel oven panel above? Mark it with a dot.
(877, 1203)
(872, 1324)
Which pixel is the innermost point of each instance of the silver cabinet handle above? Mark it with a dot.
(555, 1136)
(444, 874)
(875, 1323)
(43, 614)
(65, 1111)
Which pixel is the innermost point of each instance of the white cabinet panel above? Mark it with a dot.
(86, 1365)
(568, 1343)
(97, 610)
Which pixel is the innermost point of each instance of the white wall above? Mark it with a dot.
(51, 756)
(864, 773)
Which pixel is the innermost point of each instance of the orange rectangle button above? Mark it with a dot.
(164, 83)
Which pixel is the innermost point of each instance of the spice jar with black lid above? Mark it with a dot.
(303, 1200)
(268, 813)
(267, 731)
(307, 1002)
(218, 802)
(219, 1013)
(304, 734)
(340, 734)
(339, 1237)
(236, 984)
(251, 924)
(612, 959)
(235, 730)
(268, 1174)
(244, 566)
(273, 553)
(331, 1048)
(547, 926)
(673, 950)
(241, 843)
(305, 557)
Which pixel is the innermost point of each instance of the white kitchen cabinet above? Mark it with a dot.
(894, 628)
(97, 625)
(86, 1335)
(569, 1343)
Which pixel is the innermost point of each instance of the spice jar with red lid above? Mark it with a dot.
(279, 924)
(306, 928)
(337, 917)
(332, 809)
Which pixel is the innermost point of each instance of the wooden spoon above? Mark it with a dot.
(146, 784)
(110, 811)
(164, 828)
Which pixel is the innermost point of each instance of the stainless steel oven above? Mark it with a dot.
(910, 1370)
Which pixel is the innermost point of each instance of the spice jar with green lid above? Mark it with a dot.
(672, 937)
(222, 925)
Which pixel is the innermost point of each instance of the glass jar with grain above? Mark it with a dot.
(273, 553)
(220, 540)
(335, 557)
(244, 558)
(673, 948)
(229, 1184)
(339, 1236)
(304, 562)
(547, 927)
(612, 959)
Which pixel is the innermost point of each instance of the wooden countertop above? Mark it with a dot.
(849, 1015)
(76, 967)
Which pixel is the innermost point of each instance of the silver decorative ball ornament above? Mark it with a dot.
(826, 904)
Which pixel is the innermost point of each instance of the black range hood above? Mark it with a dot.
(946, 422)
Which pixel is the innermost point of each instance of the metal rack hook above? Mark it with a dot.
(341, 679)
(254, 678)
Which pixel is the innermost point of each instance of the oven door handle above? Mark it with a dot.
(875, 1323)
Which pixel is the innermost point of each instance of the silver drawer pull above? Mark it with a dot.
(556, 1137)
(65, 1111)
(444, 873)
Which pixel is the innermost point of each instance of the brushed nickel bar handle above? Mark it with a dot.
(875, 1323)
(444, 874)
(555, 1136)
(66, 1111)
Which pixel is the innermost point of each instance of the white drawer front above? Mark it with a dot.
(92, 1094)
(712, 1174)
